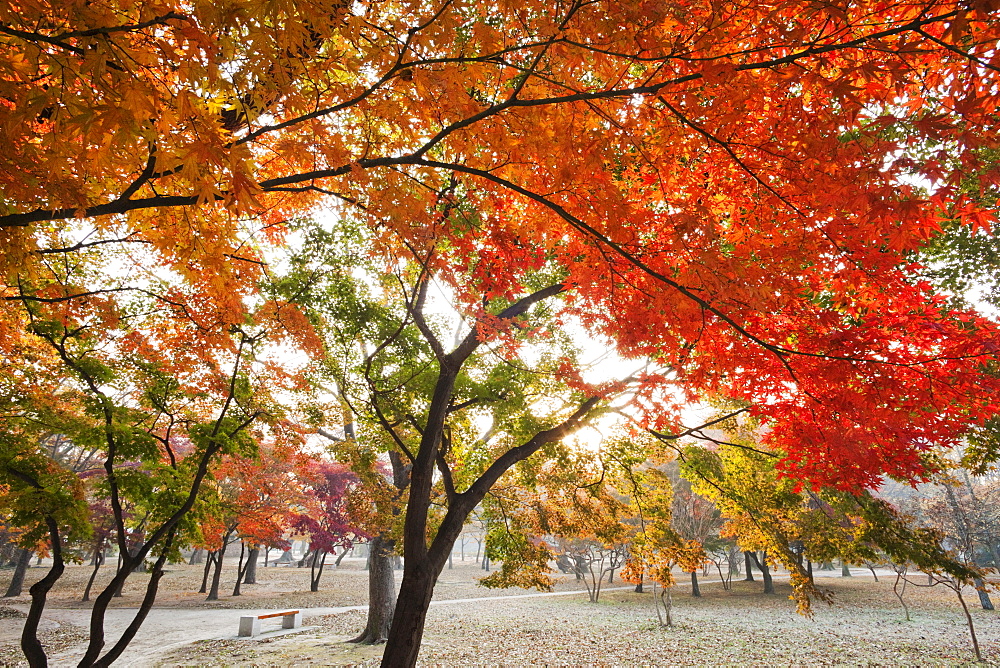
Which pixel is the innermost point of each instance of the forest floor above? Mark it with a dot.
(865, 624)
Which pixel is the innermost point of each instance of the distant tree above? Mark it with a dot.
(772, 514)
(657, 547)
(102, 520)
(695, 518)
(968, 518)
(328, 523)
(264, 490)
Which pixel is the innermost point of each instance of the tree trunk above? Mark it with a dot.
(99, 561)
(695, 589)
(16, 585)
(213, 593)
(809, 571)
(968, 619)
(251, 575)
(120, 581)
(204, 574)
(749, 567)
(423, 563)
(381, 592)
(197, 556)
(314, 574)
(30, 645)
(845, 570)
(984, 598)
(765, 571)
(156, 572)
(240, 569)
(407, 630)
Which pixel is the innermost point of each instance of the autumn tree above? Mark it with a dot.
(786, 521)
(328, 519)
(657, 547)
(567, 508)
(732, 188)
(696, 519)
(386, 351)
(262, 493)
(156, 395)
(962, 511)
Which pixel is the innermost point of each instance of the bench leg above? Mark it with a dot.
(291, 621)
(249, 626)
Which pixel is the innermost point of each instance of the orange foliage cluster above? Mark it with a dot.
(727, 187)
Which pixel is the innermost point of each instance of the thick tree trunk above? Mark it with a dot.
(765, 571)
(30, 645)
(748, 565)
(251, 571)
(984, 598)
(197, 556)
(379, 564)
(381, 592)
(423, 564)
(408, 620)
(16, 585)
(695, 589)
(845, 570)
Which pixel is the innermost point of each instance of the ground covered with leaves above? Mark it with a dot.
(865, 624)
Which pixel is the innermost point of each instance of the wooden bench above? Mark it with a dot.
(250, 624)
